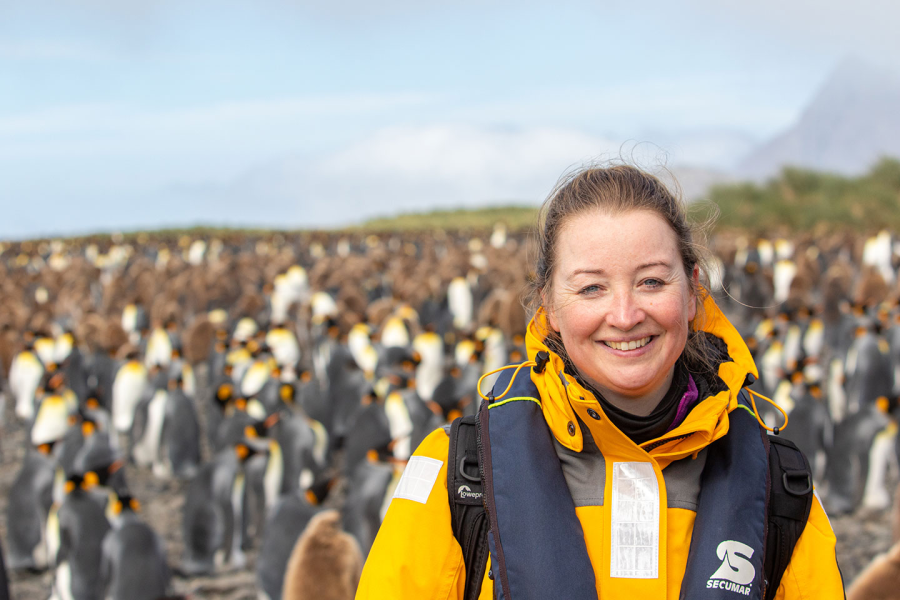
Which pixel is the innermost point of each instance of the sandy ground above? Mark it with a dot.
(860, 536)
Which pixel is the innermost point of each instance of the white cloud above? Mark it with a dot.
(421, 168)
(406, 168)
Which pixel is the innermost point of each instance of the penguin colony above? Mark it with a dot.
(279, 385)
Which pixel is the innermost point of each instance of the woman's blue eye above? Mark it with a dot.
(653, 282)
(590, 289)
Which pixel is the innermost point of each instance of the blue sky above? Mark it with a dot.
(286, 113)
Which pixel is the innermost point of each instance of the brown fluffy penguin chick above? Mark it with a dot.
(198, 339)
(880, 580)
(326, 562)
(895, 516)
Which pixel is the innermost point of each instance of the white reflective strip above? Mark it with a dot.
(635, 521)
(418, 479)
(827, 518)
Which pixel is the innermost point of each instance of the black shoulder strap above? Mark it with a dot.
(467, 514)
(790, 500)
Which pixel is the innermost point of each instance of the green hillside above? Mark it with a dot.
(515, 218)
(803, 200)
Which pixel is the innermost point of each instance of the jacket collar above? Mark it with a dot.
(563, 397)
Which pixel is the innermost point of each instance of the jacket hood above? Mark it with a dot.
(706, 422)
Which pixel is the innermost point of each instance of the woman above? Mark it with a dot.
(660, 487)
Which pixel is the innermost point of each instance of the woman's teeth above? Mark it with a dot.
(629, 345)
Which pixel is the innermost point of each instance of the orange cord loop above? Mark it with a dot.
(527, 363)
(775, 430)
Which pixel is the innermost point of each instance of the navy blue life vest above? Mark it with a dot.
(535, 537)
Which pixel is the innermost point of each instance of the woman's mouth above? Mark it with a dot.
(632, 345)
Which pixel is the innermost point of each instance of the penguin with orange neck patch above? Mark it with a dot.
(346, 384)
(410, 418)
(129, 386)
(222, 392)
(868, 368)
(305, 445)
(213, 514)
(82, 427)
(30, 498)
(369, 429)
(370, 486)
(447, 396)
(265, 480)
(239, 413)
(102, 465)
(218, 354)
(311, 397)
(850, 458)
(166, 431)
(71, 362)
(181, 433)
(811, 427)
(149, 419)
(133, 563)
(75, 532)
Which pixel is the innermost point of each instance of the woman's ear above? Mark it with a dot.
(695, 285)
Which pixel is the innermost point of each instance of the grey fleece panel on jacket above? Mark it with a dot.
(585, 474)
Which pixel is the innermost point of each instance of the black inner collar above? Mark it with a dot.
(643, 429)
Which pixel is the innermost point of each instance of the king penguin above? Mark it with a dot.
(75, 531)
(369, 490)
(847, 469)
(128, 387)
(869, 372)
(213, 513)
(30, 498)
(133, 564)
(461, 303)
(180, 435)
(429, 372)
(24, 378)
(284, 525)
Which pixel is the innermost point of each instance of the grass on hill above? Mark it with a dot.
(805, 200)
(516, 218)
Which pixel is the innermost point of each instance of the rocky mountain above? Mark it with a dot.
(852, 121)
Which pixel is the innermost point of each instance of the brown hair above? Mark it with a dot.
(616, 189)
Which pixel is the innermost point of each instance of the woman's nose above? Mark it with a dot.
(624, 313)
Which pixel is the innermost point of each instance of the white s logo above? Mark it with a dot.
(735, 564)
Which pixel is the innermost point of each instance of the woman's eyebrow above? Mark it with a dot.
(658, 263)
(598, 271)
(588, 272)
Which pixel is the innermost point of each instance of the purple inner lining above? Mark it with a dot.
(684, 407)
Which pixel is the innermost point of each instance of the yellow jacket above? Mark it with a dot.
(416, 556)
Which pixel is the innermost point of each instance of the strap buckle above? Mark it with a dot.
(462, 470)
(798, 476)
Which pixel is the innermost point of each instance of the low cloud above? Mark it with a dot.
(440, 166)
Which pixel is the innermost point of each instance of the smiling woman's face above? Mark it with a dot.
(622, 303)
